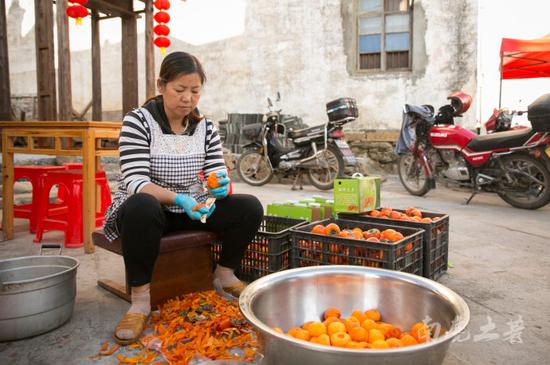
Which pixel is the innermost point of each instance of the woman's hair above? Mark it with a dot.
(176, 64)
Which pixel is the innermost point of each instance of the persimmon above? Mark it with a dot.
(321, 340)
(379, 344)
(373, 239)
(395, 215)
(421, 332)
(329, 320)
(368, 324)
(374, 232)
(375, 334)
(332, 312)
(426, 220)
(374, 213)
(335, 327)
(212, 181)
(332, 229)
(394, 342)
(351, 322)
(340, 339)
(316, 329)
(373, 314)
(408, 340)
(397, 236)
(359, 315)
(198, 206)
(299, 333)
(357, 233)
(358, 334)
(386, 212)
(319, 229)
(388, 233)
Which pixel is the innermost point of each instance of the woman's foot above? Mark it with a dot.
(226, 283)
(132, 324)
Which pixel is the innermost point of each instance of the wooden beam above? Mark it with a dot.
(115, 16)
(108, 7)
(149, 51)
(45, 68)
(129, 64)
(63, 62)
(6, 112)
(96, 68)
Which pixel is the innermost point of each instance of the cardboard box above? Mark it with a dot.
(356, 194)
(299, 211)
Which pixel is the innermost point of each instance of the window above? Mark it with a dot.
(384, 34)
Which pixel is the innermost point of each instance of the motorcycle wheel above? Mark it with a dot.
(530, 185)
(254, 169)
(323, 177)
(411, 174)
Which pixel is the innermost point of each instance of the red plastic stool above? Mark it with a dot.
(70, 223)
(35, 175)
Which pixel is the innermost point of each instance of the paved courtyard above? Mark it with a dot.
(499, 256)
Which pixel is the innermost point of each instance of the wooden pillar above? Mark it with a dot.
(129, 64)
(45, 68)
(149, 51)
(5, 92)
(96, 68)
(63, 62)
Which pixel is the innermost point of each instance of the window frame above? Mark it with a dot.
(383, 65)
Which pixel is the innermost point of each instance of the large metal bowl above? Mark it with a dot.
(37, 294)
(292, 297)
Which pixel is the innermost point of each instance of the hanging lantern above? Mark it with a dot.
(162, 43)
(162, 17)
(77, 12)
(162, 4)
(161, 30)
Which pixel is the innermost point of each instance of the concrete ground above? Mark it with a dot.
(500, 258)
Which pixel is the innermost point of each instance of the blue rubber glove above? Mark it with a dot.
(187, 203)
(221, 191)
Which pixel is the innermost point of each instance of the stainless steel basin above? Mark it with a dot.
(292, 297)
(36, 294)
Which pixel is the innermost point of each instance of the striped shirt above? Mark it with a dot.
(151, 153)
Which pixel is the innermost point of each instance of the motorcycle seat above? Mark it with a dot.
(499, 140)
(304, 132)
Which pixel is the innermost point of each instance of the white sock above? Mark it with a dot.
(226, 276)
(141, 303)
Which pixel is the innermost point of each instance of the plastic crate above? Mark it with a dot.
(269, 250)
(435, 240)
(310, 249)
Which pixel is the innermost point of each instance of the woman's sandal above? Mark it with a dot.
(134, 322)
(229, 292)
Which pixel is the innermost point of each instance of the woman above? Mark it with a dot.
(163, 147)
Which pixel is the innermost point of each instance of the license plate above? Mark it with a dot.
(347, 154)
(548, 151)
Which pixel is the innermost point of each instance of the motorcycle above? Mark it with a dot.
(514, 164)
(501, 121)
(320, 151)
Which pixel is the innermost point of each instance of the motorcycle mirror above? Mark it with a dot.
(269, 102)
(278, 96)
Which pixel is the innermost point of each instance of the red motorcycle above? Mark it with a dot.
(514, 164)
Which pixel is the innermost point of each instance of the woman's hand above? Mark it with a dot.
(221, 191)
(187, 203)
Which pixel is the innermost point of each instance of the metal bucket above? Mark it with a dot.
(36, 294)
(292, 297)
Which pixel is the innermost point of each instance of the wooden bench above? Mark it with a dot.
(183, 265)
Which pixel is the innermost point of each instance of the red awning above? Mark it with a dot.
(525, 59)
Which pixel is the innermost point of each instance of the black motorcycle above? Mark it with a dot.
(320, 151)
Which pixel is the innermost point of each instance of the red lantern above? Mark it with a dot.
(162, 43)
(162, 4)
(162, 17)
(77, 12)
(161, 30)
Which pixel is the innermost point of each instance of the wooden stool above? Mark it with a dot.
(183, 265)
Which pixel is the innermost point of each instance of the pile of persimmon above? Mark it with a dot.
(362, 330)
(371, 235)
(411, 215)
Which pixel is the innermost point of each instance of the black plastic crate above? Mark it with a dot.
(435, 240)
(269, 250)
(310, 249)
